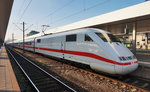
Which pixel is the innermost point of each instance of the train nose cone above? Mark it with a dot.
(130, 68)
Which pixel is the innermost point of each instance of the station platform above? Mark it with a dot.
(143, 58)
(8, 82)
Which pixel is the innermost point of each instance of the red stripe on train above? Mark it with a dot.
(86, 54)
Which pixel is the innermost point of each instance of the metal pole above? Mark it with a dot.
(146, 41)
(12, 39)
(45, 28)
(23, 35)
(134, 38)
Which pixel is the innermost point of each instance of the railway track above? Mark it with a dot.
(137, 81)
(41, 80)
(130, 83)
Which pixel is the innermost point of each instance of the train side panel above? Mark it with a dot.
(79, 47)
(87, 51)
(50, 46)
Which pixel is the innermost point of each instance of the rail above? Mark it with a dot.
(39, 78)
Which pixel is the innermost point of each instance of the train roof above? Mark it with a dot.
(75, 31)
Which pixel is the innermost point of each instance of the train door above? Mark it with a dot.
(37, 45)
(34, 41)
(63, 44)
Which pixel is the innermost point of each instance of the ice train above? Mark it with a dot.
(97, 48)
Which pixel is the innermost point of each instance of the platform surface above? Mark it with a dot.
(143, 57)
(8, 82)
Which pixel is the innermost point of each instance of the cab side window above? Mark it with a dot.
(87, 38)
(102, 37)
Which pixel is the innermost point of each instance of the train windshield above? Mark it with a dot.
(108, 37)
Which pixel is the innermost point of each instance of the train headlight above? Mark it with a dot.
(134, 57)
(122, 58)
(127, 58)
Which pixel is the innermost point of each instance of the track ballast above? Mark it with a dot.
(41, 80)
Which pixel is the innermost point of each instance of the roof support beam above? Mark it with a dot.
(5, 10)
(134, 37)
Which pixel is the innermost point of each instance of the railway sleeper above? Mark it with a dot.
(57, 90)
(37, 74)
(38, 78)
(50, 87)
(45, 82)
(41, 80)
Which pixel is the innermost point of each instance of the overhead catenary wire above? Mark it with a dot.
(20, 9)
(58, 9)
(29, 27)
(65, 5)
(83, 10)
(106, 1)
(17, 26)
(84, 4)
(25, 9)
(23, 13)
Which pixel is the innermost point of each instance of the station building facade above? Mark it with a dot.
(124, 33)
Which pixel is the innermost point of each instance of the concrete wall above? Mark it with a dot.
(143, 25)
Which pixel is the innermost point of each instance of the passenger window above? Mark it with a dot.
(38, 40)
(28, 43)
(70, 38)
(87, 38)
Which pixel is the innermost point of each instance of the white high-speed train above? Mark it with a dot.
(94, 47)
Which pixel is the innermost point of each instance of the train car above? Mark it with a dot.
(94, 47)
(17, 44)
(29, 44)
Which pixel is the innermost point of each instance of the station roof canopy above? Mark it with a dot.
(5, 9)
(129, 14)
